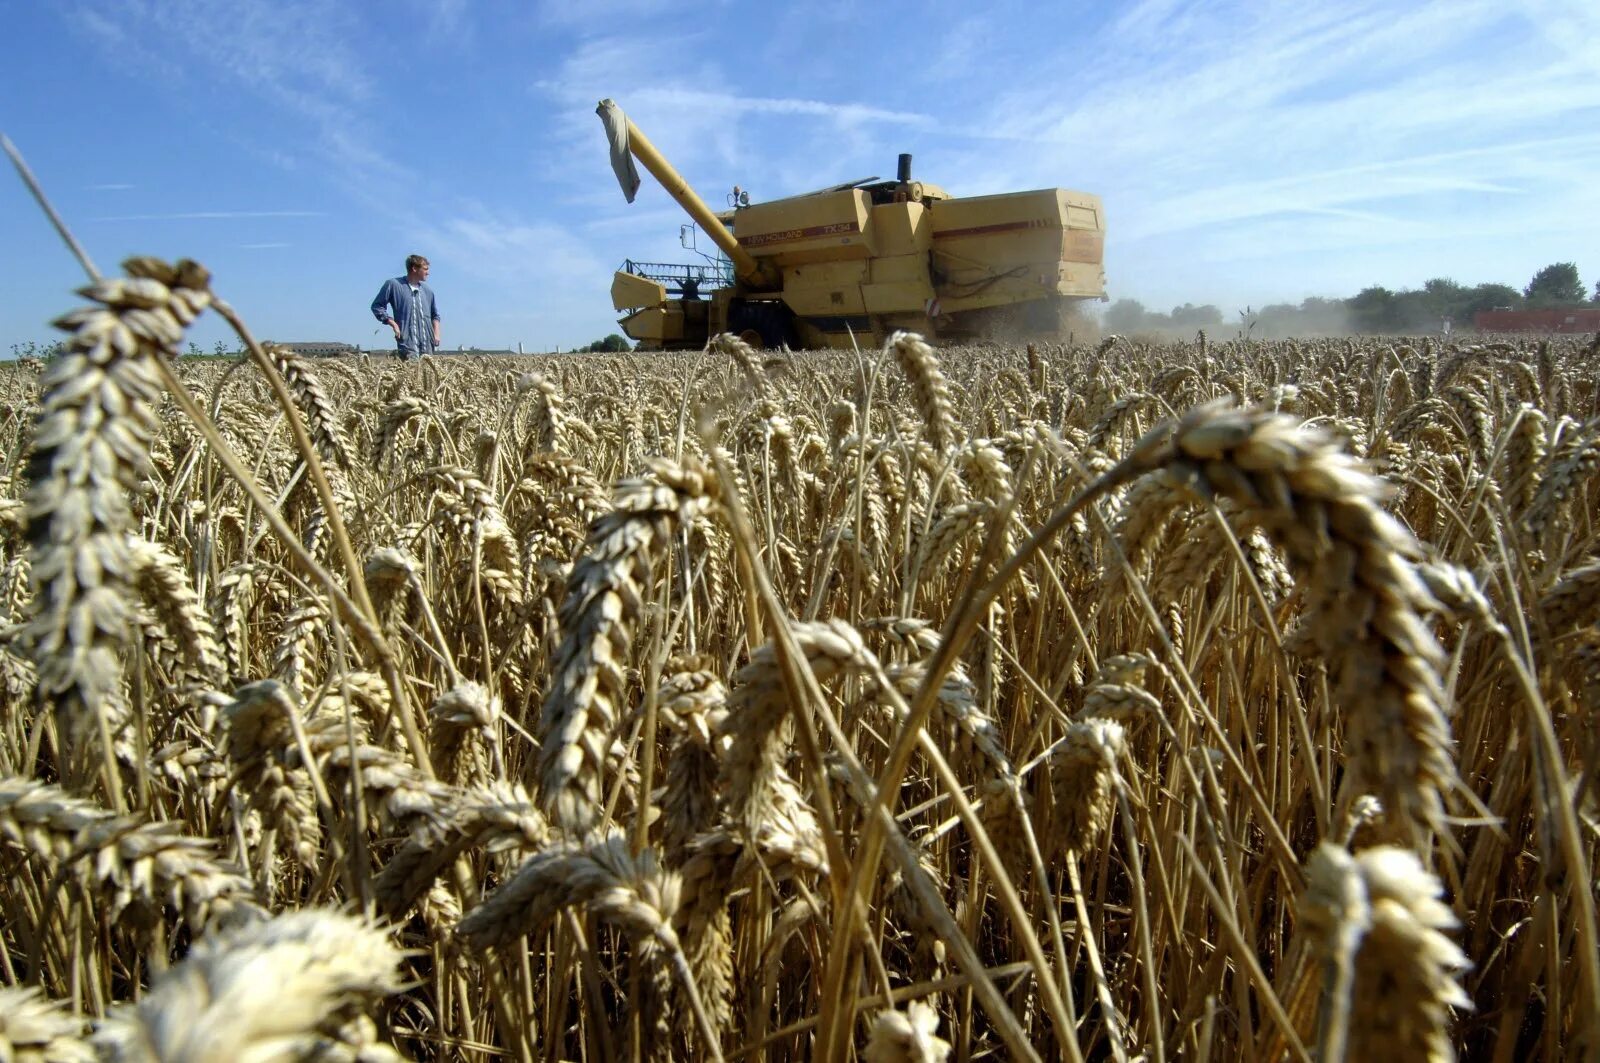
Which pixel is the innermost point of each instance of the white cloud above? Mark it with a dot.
(443, 21)
(214, 215)
(1234, 133)
(301, 58)
(723, 106)
(1498, 170)
(620, 13)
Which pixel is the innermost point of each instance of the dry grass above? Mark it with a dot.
(1212, 700)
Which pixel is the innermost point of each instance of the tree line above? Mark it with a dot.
(1375, 309)
(612, 344)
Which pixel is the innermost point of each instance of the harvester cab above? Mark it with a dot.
(856, 261)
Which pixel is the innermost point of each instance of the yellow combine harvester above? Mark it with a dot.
(861, 259)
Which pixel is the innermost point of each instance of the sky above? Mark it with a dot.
(1246, 153)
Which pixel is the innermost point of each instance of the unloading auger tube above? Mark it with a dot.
(625, 139)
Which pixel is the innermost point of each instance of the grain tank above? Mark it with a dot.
(859, 260)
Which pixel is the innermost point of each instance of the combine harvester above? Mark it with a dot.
(857, 261)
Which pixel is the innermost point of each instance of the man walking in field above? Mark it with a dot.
(407, 306)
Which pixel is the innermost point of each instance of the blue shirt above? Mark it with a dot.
(414, 311)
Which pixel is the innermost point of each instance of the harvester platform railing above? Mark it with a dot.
(700, 277)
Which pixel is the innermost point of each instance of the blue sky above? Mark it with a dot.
(1247, 153)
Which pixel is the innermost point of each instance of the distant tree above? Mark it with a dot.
(45, 351)
(1190, 316)
(1319, 316)
(1491, 297)
(1372, 310)
(1443, 298)
(1125, 315)
(1277, 320)
(1414, 311)
(1597, 292)
(612, 344)
(1555, 285)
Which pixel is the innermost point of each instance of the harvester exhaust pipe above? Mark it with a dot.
(904, 175)
(627, 144)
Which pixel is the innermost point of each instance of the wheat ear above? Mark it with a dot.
(1365, 599)
(607, 879)
(395, 417)
(1565, 476)
(1574, 599)
(36, 1030)
(1082, 772)
(693, 704)
(602, 876)
(1118, 692)
(465, 719)
(496, 818)
(260, 725)
(470, 506)
(789, 843)
(152, 863)
(91, 446)
(285, 988)
(930, 387)
(322, 422)
(910, 1036)
(1391, 972)
(759, 703)
(166, 587)
(605, 594)
(743, 355)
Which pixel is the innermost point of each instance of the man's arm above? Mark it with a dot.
(380, 305)
(434, 310)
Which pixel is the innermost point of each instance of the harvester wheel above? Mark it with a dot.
(765, 325)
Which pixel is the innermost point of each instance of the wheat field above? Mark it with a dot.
(1216, 700)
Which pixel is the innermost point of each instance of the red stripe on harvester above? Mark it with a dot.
(998, 227)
